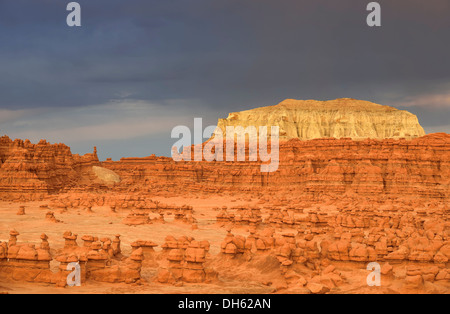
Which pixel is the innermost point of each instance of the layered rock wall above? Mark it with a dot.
(377, 168)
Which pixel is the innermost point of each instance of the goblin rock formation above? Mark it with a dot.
(97, 260)
(31, 171)
(310, 119)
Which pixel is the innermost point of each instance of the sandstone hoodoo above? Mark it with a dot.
(340, 118)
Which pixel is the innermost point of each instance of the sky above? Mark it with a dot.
(135, 69)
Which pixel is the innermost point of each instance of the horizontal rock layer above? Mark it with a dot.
(42, 168)
(378, 168)
(375, 168)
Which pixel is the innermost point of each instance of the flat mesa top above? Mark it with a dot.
(336, 104)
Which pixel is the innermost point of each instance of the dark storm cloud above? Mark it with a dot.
(224, 55)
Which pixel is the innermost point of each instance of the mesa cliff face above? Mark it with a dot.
(310, 119)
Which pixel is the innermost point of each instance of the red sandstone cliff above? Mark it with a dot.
(33, 170)
(418, 167)
(372, 168)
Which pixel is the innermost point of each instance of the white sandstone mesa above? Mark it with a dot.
(339, 118)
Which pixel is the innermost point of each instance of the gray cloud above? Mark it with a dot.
(214, 57)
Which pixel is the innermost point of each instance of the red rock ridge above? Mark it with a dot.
(327, 166)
